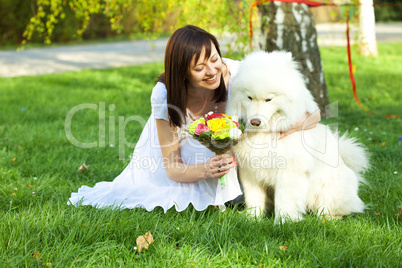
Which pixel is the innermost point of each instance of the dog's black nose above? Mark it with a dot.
(255, 122)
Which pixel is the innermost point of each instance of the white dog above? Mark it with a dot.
(311, 169)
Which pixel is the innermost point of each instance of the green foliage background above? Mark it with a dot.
(388, 13)
(69, 20)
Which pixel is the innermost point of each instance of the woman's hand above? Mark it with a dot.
(307, 121)
(219, 165)
(176, 170)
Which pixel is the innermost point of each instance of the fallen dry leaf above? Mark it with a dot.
(13, 194)
(383, 144)
(31, 186)
(36, 254)
(283, 248)
(83, 167)
(399, 211)
(377, 213)
(143, 241)
(14, 159)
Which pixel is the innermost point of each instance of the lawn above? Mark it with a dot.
(39, 170)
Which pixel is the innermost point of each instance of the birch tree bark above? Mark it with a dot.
(291, 27)
(367, 38)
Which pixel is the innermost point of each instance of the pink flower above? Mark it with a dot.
(201, 128)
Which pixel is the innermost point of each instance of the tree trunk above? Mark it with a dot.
(368, 42)
(291, 27)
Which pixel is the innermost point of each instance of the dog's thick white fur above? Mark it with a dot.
(310, 170)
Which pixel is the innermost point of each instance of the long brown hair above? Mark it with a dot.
(183, 45)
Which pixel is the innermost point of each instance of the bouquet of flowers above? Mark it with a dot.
(218, 132)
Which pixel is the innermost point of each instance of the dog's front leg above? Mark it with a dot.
(255, 197)
(290, 196)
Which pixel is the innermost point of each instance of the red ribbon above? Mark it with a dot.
(352, 78)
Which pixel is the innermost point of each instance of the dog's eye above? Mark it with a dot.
(250, 98)
(267, 100)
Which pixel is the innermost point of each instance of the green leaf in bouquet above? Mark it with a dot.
(205, 135)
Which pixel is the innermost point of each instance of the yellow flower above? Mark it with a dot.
(193, 125)
(227, 116)
(216, 124)
(229, 124)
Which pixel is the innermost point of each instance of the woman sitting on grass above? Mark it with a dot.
(168, 169)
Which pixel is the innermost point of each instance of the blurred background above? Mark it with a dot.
(99, 20)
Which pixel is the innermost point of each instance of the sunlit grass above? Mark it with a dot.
(38, 171)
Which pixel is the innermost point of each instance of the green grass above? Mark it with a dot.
(35, 187)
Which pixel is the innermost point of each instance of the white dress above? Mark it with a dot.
(144, 183)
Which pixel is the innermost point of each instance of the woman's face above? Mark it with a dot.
(206, 73)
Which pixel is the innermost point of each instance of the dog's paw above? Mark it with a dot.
(284, 218)
(279, 220)
(333, 217)
(254, 213)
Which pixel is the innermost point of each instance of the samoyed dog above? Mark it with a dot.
(310, 170)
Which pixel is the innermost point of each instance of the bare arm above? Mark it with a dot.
(308, 121)
(178, 171)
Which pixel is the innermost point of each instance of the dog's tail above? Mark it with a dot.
(354, 154)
